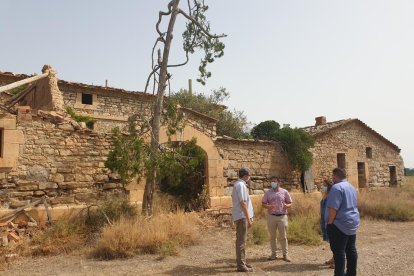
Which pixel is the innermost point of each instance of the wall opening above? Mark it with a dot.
(362, 178)
(87, 99)
(341, 161)
(185, 179)
(393, 176)
(368, 152)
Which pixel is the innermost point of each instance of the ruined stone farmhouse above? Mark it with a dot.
(45, 152)
(370, 160)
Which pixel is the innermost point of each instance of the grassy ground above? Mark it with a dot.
(394, 204)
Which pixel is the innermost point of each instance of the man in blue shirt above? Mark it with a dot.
(242, 211)
(343, 223)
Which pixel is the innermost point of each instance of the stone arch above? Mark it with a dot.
(215, 179)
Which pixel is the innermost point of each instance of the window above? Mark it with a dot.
(368, 152)
(1, 141)
(341, 161)
(87, 99)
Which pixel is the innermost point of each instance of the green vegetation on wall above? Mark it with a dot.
(295, 141)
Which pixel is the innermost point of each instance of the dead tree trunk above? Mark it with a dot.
(151, 177)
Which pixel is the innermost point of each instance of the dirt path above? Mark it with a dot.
(384, 248)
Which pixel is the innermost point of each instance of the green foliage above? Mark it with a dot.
(18, 90)
(195, 37)
(181, 169)
(128, 153)
(80, 118)
(296, 142)
(258, 233)
(172, 119)
(230, 123)
(266, 130)
(304, 230)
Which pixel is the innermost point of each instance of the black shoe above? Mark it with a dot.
(272, 258)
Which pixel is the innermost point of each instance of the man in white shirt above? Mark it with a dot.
(242, 211)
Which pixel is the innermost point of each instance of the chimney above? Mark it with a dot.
(106, 83)
(190, 86)
(320, 121)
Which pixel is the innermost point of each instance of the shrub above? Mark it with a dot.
(162, 234)
(111, 210)
(258, 232)
(62, 236)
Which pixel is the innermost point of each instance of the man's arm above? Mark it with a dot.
(243, 205)
(331, 215)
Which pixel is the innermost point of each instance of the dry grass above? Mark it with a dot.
(393, 204)
(63, 236)
(162, 234)
(304, 226)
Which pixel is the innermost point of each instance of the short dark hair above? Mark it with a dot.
(339, 172)
(243, 172)
(274, 177)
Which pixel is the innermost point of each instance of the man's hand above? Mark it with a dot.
(250, 222)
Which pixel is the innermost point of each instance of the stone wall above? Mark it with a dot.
(264, 159)
(110, 109)
(352, 139)
(58, 161)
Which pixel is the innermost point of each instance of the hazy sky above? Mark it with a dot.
(288, 61)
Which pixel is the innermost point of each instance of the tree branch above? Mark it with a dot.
(156, 67)
(200, 26)
(160, 15)
(180, 64)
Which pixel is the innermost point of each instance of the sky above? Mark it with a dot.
(288, 61)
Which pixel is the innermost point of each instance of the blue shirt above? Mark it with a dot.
(343, 198)
(239, 194)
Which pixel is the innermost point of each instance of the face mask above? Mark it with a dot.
(324, 189)
(273, 184)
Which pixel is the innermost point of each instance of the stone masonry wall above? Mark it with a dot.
(353, 139)
(264, 159)
(64, 164)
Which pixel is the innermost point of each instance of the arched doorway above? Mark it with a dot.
(183, 175)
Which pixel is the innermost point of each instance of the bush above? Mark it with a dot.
(304, 220)
(62, 236)
(162, 234)
(258, 232)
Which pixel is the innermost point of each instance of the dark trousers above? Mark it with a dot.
(241, 237)
(343, 245)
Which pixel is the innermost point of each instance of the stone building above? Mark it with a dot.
(371, 161)
(45, 152)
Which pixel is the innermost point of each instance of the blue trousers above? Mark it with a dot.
(343, 246)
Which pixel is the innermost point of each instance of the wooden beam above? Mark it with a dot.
(22, 82)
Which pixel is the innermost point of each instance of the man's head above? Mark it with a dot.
(244, 174)
(338, 174)
(274, 182)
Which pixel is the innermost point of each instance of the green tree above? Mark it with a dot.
(295, 141)
(197, 36)
(230, 123)
(265, 130)
(128, 153)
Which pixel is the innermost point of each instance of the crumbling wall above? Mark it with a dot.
(61, 161)
(263, 158)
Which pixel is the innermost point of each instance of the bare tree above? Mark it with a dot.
(197, 36)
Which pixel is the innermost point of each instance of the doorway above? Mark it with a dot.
(393, 176)
(362, 178)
